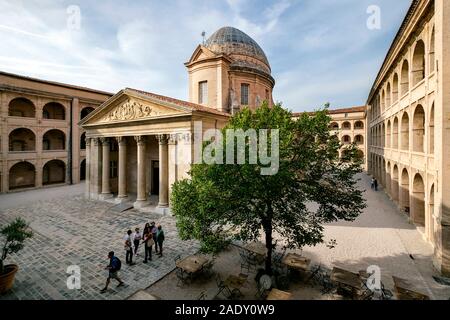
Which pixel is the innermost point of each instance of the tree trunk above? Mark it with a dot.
(267, 225)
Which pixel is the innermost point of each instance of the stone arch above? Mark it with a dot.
(388, 178)
(346, 126)
(418, 201)
(405, 132)
(383, 101)
(395, 184)
(54, 139)
(54, 111)
(334, 126)
(346, 140)
(419, 129)
(22, 139)
(404, 191)
(359, 139)
(395, 134)
(418, 66)
(83, 141)
(430, 216)
(360, 155)
(54, 172)
(22, 175)
(85, 111)
(383, 135)
(388, 95)
(83, 170)
(359, 125)
(432, 52)
(21, 107)
(404, 85)
(431, 130)
(395, 88)
(388, 134)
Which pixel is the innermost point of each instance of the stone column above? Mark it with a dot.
(163, 171)
(122, 168)
(106, 190)
(96, 169)
(88, 167)
(141, 199)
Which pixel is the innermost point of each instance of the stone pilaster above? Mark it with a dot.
(96, 168)
(88, 167)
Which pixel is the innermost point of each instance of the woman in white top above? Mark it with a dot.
(136, 240)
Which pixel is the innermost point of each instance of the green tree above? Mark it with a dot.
(313, 186)
(14, 235)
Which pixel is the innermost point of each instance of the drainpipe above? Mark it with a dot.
(70, 145)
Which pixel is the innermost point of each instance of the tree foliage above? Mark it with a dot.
(15, 235)
(313, 186)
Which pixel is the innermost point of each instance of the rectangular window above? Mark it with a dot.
(203, 92)
(267, 95)
(244, 94)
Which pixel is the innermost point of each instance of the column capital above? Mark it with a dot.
(105, 141)
(173, 138)
(121, 141)
(96, 141)
(88, 141)
(140, 140)
(162, 138)
(186, 137)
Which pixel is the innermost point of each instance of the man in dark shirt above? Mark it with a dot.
(114, 266)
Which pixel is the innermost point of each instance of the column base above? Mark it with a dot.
(105, 196)
(163, 210)
(121, 199)
(138, 204)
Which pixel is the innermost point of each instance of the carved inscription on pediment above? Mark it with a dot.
(130, 110)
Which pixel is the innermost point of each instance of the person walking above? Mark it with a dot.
(154, 231)
(148, 244)
(114, 267)
(372, 184)
(136, 240)
(128, 248)
(159, 240)
(375, 184)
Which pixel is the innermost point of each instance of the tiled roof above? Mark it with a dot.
(181, 103)
(337, 111)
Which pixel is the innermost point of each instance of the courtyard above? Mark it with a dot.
(69, 230)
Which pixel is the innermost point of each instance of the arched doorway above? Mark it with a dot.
(431, 130)
(430, 216)
(404, 192)
(54, 140)
(388, 178)
(395, 88)
(83, 141)
(22, 175)
(54, 172)
(395, 184)
(419, 129)
(405, 132)
(418, 196)
(83, 170)
(418, 72)
(404, 78)
(22, 139)
(395, 134)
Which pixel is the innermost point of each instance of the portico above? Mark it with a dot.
(138, 144)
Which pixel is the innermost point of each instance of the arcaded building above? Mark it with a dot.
(152, 136)
(409, 123)
(40, 141)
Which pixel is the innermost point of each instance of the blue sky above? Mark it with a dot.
(320, 50)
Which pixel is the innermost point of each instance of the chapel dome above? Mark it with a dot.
(245, 52)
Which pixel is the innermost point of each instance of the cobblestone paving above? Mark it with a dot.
(69, 230)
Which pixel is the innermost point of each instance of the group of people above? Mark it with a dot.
(374, 184)
(152, 235)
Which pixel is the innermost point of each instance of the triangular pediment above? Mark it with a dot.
(201, 53)
(128, 106)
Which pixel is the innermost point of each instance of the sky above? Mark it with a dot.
(320, 50)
